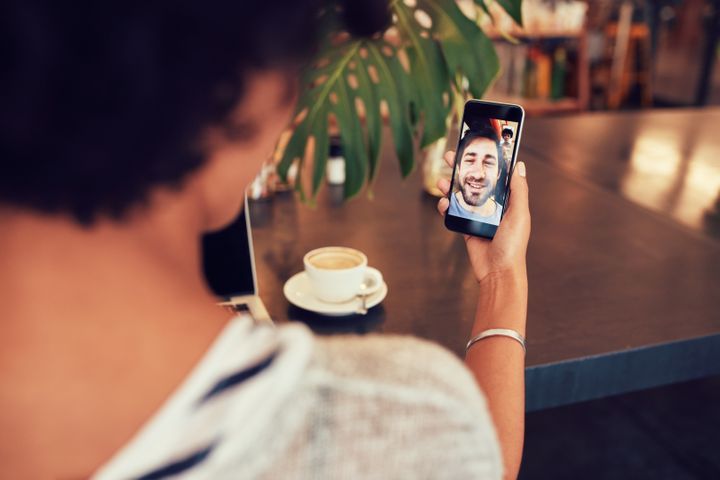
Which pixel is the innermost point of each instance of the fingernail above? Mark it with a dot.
(521, 169)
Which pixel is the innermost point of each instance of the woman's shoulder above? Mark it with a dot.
(408, 398)
(395, 363)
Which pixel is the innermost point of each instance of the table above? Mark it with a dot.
(623, 294)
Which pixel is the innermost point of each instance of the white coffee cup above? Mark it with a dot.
(338, 274)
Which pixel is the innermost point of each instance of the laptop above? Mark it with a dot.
(229, 267)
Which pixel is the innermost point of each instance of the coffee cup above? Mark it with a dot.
(339, 274)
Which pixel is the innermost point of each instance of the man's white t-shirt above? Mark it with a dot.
(279, 403)
(457, 211)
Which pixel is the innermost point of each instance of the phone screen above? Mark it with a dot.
(484, 161)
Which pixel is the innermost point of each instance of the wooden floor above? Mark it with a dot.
(668, 433)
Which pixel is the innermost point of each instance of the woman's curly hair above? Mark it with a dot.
(100, 101)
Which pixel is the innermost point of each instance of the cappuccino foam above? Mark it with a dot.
(334, 261)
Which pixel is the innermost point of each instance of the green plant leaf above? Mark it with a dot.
(413, 77)
(483, 5)
(315, 101)
(294, 151)
(320, 155)
(513, 8)
(362, 152)
(407, 90)
(428, 72)
(388, 70)
(351, 135)
(367, 94)
(459, 35)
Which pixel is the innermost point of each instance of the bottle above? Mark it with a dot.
(335, 168)
(558, 74)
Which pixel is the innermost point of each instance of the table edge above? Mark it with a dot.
(593, 377)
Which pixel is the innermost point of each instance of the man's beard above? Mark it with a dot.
(479, 198)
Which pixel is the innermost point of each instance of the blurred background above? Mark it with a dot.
(576, 56)
(628, 57)
(623, 152)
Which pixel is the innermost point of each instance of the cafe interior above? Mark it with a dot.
(622, 103)
(621, 143)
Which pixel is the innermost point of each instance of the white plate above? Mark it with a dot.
(299, 292)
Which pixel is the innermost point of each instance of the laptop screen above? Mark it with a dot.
(228, 259)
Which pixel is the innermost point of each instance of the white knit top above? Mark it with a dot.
(279, 403)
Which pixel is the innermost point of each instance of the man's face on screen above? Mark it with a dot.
(478, 171)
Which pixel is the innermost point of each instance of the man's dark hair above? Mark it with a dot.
(507, 131)
(489, 133)
(473, 134)
(101, 101)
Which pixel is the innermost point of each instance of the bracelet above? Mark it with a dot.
(497, 332)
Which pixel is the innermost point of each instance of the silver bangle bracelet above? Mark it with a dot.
(497, 332)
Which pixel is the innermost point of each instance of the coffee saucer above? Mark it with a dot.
(298, 291)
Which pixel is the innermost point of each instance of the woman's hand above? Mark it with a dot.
(506, 252)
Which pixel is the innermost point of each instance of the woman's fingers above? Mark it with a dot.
(443, 205)
(519, 190)
(444, 185)
(518, 209)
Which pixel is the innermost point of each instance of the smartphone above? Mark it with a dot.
(484, 163)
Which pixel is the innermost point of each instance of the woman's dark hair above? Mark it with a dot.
(102, 100)
(507, 131)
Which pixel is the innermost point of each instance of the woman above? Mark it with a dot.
(127, 133)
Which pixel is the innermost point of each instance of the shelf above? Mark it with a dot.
(538, 106)
(535, 62)
(529, 37)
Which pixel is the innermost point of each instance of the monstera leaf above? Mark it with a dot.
(513, 8)
(410, 75)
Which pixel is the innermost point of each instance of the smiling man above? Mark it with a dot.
(477, 174)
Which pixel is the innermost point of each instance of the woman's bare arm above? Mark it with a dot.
(498, 363)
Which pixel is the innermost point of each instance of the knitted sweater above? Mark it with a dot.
(279, 403)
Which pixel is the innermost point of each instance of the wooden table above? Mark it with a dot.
(624, 294)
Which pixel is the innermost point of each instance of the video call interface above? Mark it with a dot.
(483, 163)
